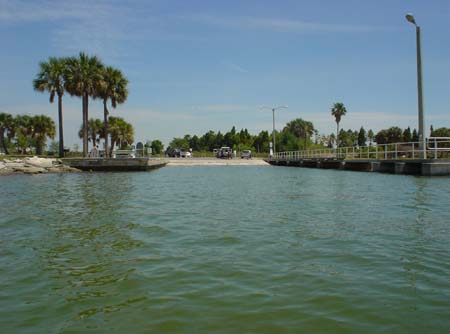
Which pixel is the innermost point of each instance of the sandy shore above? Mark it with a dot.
(215, 162)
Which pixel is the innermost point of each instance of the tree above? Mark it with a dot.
(415, 136)
(157, 146)
(24, 125)
(338, 110)
(194, 143)
(362, 138)
(113, 87)
(7, 125)
(95, 130)
(388, 136)
(82, 77)
(121, 132)
(301, 129)
(262, 141)
(370, 136)
(43, 128)
(407, 136)
(181, 143)
(441, 132)
(51, 79)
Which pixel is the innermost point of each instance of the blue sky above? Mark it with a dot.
(199, 65)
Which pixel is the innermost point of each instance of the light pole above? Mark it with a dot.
(273, 120)
(422, 139)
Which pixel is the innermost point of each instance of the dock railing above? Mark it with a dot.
(436, 148)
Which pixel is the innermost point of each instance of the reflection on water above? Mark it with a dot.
(220, 250)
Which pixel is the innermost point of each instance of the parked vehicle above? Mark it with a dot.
(225, 153)
(185, 154)
(173, 153)
(246, 154)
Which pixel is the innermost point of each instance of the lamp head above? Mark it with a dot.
(410, 18)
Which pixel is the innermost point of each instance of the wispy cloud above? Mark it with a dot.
(277, 24)
(234, 67)
(221, 108)
(94, 27)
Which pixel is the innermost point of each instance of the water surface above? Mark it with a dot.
(224, 250)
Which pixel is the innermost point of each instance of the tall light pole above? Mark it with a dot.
(273, 120)
(422, 138)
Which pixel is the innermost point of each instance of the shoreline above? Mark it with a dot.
(34, 165)
(215, 162)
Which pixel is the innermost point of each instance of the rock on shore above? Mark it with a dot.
(34, 165)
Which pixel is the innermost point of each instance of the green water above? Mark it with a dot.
(225, 250)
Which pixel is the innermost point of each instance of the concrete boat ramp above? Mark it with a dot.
(114, 164)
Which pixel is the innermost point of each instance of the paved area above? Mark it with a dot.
(215, 162)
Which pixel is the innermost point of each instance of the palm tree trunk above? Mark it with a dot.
(337, 135)
(60, 120)
(85, 124)
(112, 146)
(39, 145)
(105, 115)
(2, 139)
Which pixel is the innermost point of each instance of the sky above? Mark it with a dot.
(195, 66)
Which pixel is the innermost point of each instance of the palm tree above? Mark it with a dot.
(24, 131)
(51, 79)
(338, 110)
(6, 127)
(95, 130)
(82, 79)
(121, 132)
(43, 127)
(301, 129)
(113, 87)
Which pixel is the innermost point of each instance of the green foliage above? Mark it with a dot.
(415, 136)
(387, 136)
(96, 130)
(370, 136)
(407, 136)
(121, 132)
(362, 137)
(157, 146)
(441, 132)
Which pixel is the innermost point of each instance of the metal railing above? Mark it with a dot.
(436, 148)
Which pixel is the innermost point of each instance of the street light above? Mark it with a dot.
(273, 119)
(422, 139)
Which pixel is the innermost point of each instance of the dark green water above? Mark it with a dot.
(225, 250)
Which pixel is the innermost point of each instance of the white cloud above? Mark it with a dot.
(234, 67)
(276, 24)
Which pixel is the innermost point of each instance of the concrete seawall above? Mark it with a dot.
(115, 165)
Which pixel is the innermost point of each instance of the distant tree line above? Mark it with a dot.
(23, 133)
(298, 134)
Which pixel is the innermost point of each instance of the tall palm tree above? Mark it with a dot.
(338, 110)
(121, 132)
(6, 127)
(51, 79)
(43, 128)
(82, 79)
(113, 87)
